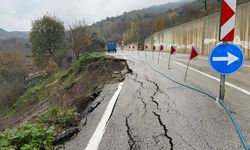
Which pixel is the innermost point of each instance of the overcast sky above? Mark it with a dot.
(16, 15)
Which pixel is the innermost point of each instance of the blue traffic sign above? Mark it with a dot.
(226, 58)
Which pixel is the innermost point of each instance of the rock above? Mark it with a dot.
(65, 135)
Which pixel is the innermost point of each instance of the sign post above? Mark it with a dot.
(172, 51)
(153, 52)
(161, 48)
(227, 27)
(193, 54)
(145, 53)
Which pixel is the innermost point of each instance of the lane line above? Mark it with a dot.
(205, 58)
(100, 130)
(214, 78)
(221, 104)
(211, 77)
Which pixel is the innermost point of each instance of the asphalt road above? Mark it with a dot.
(152, 112)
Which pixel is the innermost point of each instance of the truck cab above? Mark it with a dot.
(111, 46)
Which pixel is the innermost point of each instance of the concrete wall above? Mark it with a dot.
(204, 33)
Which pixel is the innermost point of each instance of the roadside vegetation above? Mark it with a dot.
(27, 137)
(53, 48)
(52, 104)
(37, 109)
(63, 79)
(58, 117)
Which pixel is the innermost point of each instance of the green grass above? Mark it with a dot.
(57, 117)
(42, 89)
(27, 137)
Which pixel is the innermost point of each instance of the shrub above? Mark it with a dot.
(60, 118)
(27, 137)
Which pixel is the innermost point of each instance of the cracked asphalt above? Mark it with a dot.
(154, 113)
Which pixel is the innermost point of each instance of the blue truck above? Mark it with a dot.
(111, 46)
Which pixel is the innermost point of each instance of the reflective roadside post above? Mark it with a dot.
(172, 51)
(146, 47)
(193, 54)
(153, 50)
(161, 48)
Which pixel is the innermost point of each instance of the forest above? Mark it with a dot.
(139, 24)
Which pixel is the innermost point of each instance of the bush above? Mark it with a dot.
(59, 118)
(27, 137)
(86, 59)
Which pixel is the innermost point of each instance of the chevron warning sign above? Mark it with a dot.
(228, 16)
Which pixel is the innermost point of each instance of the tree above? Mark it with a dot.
(96, 43)
(132, 34)
(78, 38)
(204, 4)
(46, 37)
(158, 24)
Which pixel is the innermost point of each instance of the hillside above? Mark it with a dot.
(113, 28)
(15, 44)
(14, 34)
(137, 25)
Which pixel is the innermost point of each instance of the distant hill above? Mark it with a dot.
(137, 25)
(14, 34)
(157, 9)
(15, 44)
(113, 28)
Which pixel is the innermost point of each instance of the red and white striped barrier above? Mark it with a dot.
(227, 24)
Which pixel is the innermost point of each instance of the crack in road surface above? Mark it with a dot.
(156, 85)
(158, 90)
(144, 106)
(181, 115)
(190, 126)
(131, 141)
(93, 107)
(153, 100)
(140, 93)
(165, 131)
(135, 79)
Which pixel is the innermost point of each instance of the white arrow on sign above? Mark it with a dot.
(230, 58)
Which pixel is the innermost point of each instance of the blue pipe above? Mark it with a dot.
(235, 125)
(245, 144)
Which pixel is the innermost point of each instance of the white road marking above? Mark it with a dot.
(100, 130)
(214, 78)
(206, 58)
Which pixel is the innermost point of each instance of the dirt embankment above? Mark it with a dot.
(72, 89)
